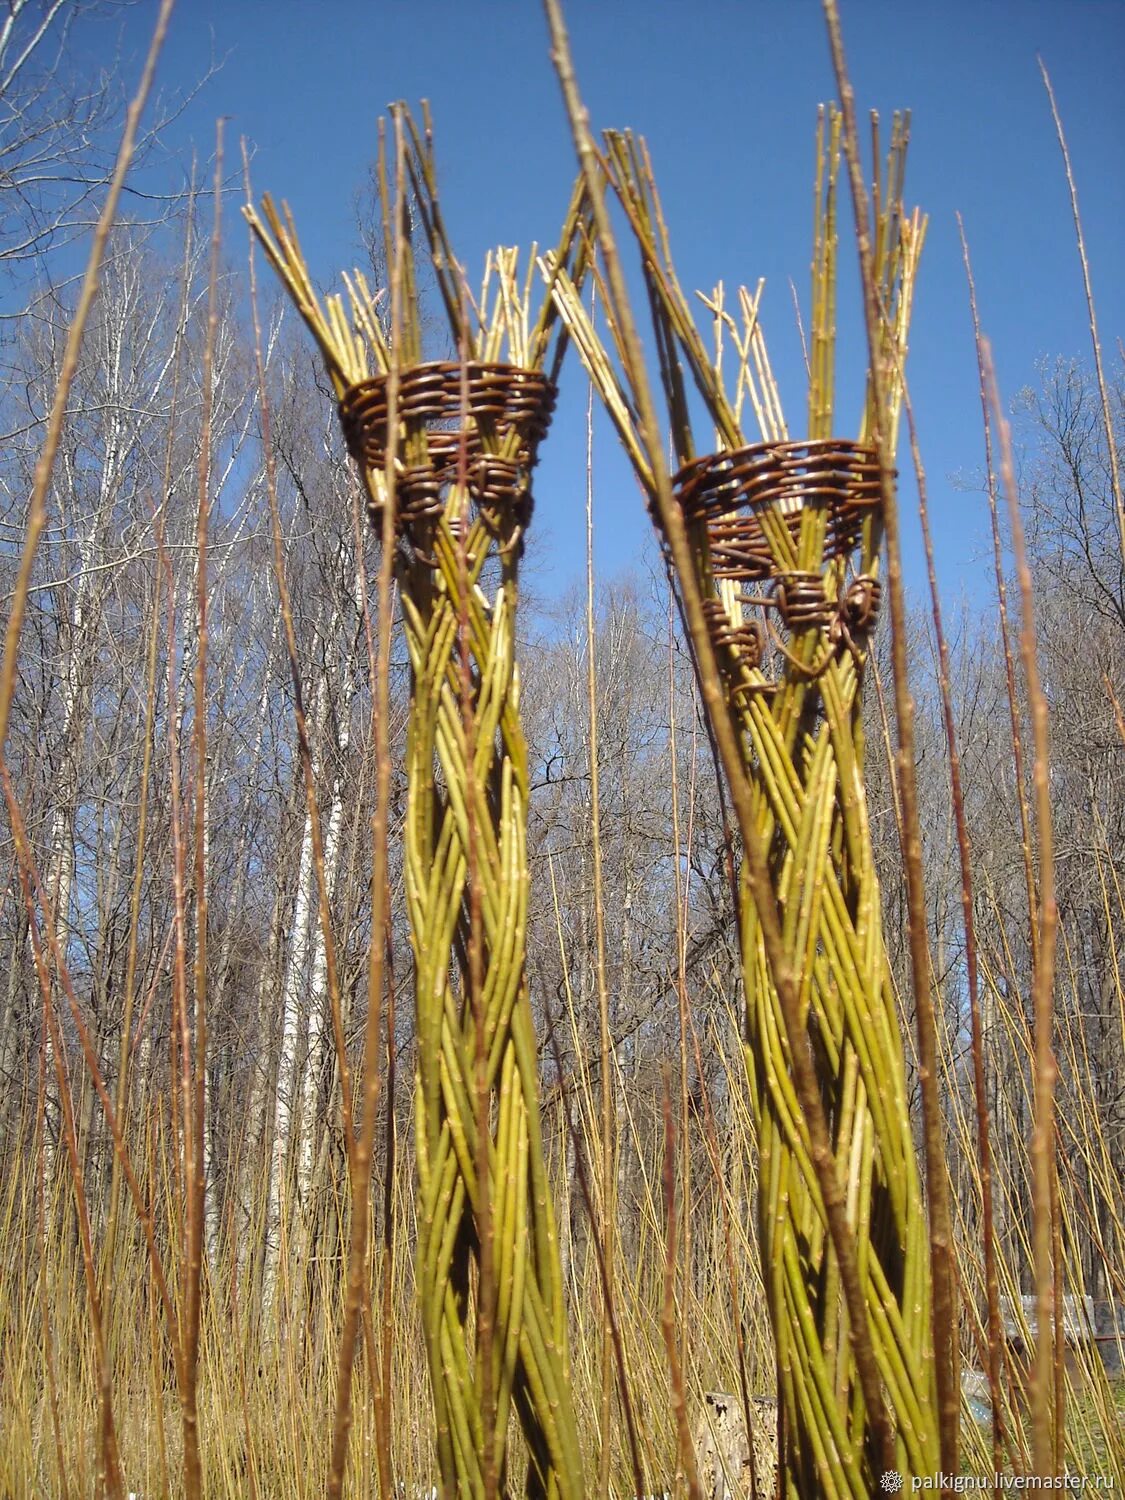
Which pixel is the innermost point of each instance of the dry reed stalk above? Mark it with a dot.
(584, 1142)
(608, 1163)
(488, 1270)
(850, 1308)
(1089, 1194)
(108, 1477)
(56, 963)
(1046, 1379)
(877, 315)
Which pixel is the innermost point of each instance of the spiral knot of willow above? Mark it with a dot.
(747, 639)
(802, 602)
(859, 608)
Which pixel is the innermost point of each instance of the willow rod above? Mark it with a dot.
(943, 1269)
(488, 1270)
(845, 1269)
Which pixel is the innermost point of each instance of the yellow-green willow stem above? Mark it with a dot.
(801, 764)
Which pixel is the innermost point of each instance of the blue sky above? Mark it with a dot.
(726, 94)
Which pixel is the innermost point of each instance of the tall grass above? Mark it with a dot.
(263, 1403)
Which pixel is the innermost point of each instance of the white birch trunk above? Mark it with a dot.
(314, 1069)
(212, 1216)
(288, 1074)
(61, 857)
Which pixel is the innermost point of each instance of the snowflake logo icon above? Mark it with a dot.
(891, 1482)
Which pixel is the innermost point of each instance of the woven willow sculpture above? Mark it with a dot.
(784, 540)
(450, 445)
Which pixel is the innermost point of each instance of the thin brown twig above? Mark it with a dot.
(757, 871)
(179, 1040)
(124, 1066)
(668, 1306)
(196, 1163)
(964, 852)
(944, 1311)
(995, 1334)
(382, 1394)
(1002, 607)
(49, 1365)
(1044, 1436)
(1103, 389)
(681, 898)
(605, 1046)
(363, 1147)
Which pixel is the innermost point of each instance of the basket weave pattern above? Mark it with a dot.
(478, 424)
(731, 492)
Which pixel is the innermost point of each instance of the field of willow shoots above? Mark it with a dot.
(667, 1042)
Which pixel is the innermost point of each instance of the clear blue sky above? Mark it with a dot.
(726, 94)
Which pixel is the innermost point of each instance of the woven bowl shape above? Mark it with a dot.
(729, 492)
(435, 398)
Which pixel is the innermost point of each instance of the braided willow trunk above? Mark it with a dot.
(803, 749)
(782, 552)
(489, 1278)
(467, 892)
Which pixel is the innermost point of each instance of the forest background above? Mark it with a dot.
(104, 703)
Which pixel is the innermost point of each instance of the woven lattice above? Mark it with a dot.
(480, 424)
(751, 504)
(730, 491)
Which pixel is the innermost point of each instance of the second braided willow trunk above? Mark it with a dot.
(450, 446)
(784, 539)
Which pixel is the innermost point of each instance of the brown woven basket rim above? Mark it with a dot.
(689, 475)
(483, 367)
(508, 399)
